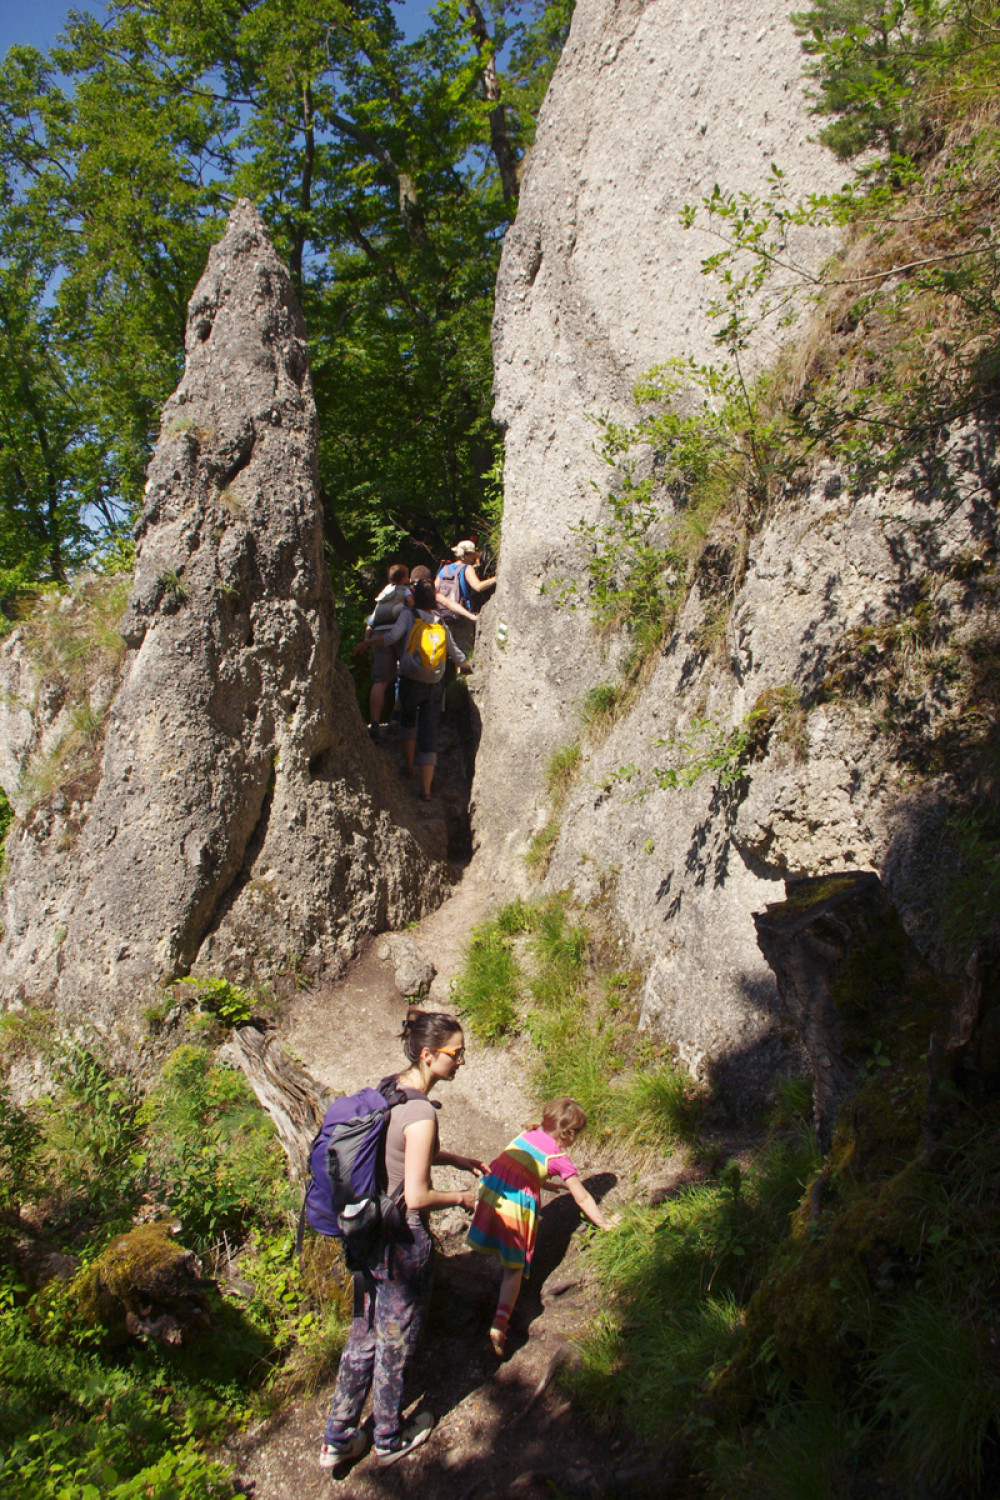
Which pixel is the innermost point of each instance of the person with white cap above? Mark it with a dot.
(468, 553)
(459, 582)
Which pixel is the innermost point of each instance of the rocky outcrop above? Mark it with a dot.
(145, 1286)
(649, 108)
(242, 822)
(843, 964)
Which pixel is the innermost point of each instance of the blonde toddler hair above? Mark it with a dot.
(563, 1118)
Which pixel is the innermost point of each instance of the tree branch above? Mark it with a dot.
(500, 144)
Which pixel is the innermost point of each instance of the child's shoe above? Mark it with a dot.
(498, 1332)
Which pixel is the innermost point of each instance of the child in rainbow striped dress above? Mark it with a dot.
(505, 1222)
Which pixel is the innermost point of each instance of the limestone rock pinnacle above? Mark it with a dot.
(242, 819)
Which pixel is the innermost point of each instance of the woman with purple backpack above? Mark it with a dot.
(390, 1295)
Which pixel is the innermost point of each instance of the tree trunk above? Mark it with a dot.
(291, 1096)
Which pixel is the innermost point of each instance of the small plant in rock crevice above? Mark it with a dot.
(696, 449)
(541, 847)
(560, 773)
(724, 753)
(173, 587)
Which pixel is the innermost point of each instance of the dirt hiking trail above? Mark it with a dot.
(501, 1429)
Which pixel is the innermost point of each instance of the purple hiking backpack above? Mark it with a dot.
(346, 1194)
(451, 583)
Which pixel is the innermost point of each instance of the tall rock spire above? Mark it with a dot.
(242, 819)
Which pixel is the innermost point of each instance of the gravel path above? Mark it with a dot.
(492, 1438)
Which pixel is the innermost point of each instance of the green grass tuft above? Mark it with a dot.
(656, 1109)
(487, 992)
(561, 772)
(541, 846)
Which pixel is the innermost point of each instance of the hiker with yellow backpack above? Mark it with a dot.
(426, 645)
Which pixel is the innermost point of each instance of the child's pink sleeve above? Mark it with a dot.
(561, 1166)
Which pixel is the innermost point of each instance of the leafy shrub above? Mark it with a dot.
(19, 1139)
(92, 1132)
(214, 1152)
(222, 999)
(77, 1426)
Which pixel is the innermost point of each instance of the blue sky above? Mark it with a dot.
(37, 23)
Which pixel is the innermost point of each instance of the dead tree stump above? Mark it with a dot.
(290, 1094)
(851, 981)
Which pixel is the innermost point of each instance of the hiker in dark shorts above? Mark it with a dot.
(388, 607)
(390, 1295)
(420, 698)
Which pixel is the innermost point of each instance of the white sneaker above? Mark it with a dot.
(412, 1435)
(356, 1445)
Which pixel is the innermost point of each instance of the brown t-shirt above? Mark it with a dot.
(417, 1107)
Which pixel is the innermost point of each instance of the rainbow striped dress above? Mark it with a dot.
(506, 1219)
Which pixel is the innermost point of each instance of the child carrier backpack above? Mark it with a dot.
(425, 654)
(451, 583)
(345, 1197)
(388, 606)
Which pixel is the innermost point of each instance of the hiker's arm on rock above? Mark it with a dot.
(419, 1141)
(474, 581)
(453, 607)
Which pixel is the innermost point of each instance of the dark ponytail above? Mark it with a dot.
(426, 1028)
(423, 596)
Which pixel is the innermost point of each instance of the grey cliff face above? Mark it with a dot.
(242, 821)
(648, 109)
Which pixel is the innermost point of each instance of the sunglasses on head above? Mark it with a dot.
(458, 1053)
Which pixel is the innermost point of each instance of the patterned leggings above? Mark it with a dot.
(390, 1300)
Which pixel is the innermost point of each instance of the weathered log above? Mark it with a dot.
(289, 1093)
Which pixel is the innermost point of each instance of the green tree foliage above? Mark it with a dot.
(868, 56)
(387, 171)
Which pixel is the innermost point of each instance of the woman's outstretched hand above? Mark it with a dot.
(464, 1163)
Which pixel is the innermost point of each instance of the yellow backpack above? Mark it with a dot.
(426, 651)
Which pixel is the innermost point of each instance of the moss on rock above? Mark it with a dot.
(144, 1285)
